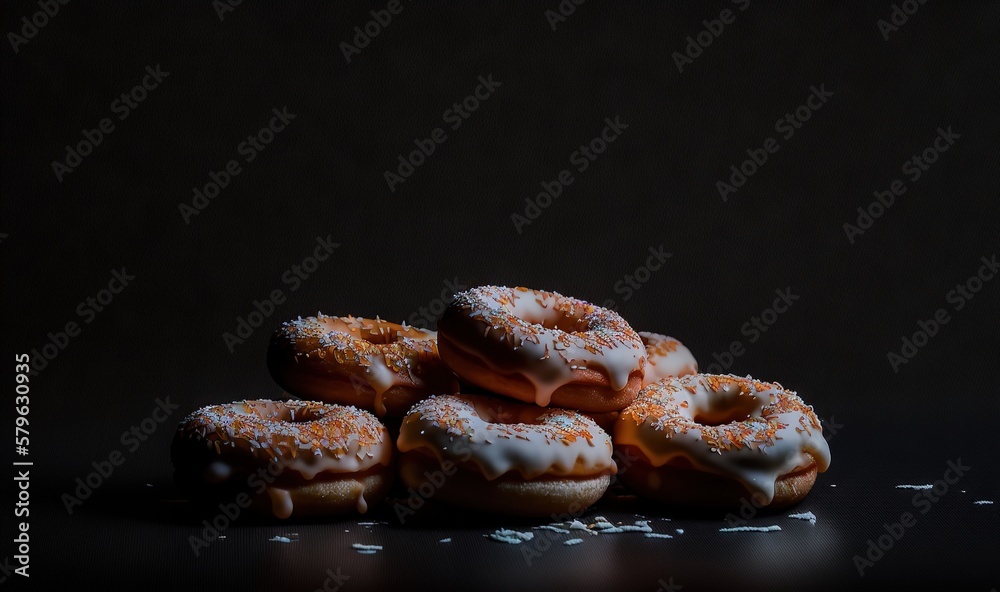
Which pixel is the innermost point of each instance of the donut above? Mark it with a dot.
(542, 348)
(291, 458)
(666, 357)
(713, 440)
(375, 365)
(495, 455)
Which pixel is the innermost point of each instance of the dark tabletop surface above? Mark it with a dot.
(865, 99)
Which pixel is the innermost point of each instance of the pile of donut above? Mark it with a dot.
(519, 404)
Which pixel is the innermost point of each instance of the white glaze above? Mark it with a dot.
(583, 336)
(460, 429)
(666, 357)
(756, 451)
(281, 502)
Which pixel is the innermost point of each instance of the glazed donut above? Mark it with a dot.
(542, 348)
(501, 456)
(291, 458)
(666, 357)
(710, 440)
(375, 365)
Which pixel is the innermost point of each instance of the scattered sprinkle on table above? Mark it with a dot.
(573, 542)
(804, 516)
(658, 535)
(552, 528)
(640, 526)
(448, 540)
(366, 549)
(771, 528)
(983, 502)
(511, 537)
(680, 531)
(280, 539)
(914, 486)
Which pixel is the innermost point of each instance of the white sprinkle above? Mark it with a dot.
(281, 539)
(983, 503)
(771, 528)
(658, 535)
(603, 525)
(833, 486)
(640, 526)
(573, 542)
(552, 528)
(149, 485)
(804, 516)
(366, 549)
(511, 537)
(680, 531)
(448, 540)
(914, 486)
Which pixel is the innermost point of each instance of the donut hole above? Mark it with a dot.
(497, 412)
(289, 415)
(278, 412)
(556, 320)
(739, 409)
(379, 335)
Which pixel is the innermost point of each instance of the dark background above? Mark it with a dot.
(451, 221)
